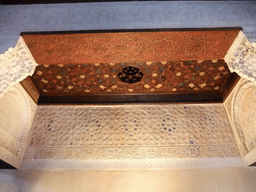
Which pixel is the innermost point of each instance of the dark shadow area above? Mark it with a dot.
(129, 30)
(4, 165)
(206, 97)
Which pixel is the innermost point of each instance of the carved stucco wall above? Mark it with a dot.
(17, 112)
(241, 110)
(130, 132)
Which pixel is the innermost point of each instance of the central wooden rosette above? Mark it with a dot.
(130, 75)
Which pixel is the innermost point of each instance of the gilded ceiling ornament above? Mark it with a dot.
(130, 75)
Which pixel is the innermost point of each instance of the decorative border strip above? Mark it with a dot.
(123, 164)
(186, 151)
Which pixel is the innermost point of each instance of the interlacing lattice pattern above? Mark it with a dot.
(138, 131)
(241, 58)
(15, 65)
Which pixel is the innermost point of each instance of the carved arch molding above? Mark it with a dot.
(15, 123)
(243, 115)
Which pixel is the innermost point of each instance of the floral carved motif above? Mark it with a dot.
(241, 58)
(15, 65)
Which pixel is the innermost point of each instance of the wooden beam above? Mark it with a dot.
(229, 85)
(206, 97)
(31, 88)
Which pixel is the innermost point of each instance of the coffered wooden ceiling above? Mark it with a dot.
(130, 66)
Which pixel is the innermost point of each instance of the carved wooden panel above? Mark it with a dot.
(117, 47)
(158, 77)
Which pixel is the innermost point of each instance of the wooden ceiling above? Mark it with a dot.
(174, 66)
(119, 47)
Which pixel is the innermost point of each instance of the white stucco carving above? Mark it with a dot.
(241, 109)
(25, 106)
(241, 58)
(244, 111)
(15, 65)
(17, 111)
(10, 123)
(131, 132)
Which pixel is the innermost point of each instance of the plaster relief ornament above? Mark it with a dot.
(130, 75)
(244, 115)
(15, 65)
(241, 58)
(131, 132)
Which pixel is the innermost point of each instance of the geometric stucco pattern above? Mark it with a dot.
(131, 132)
